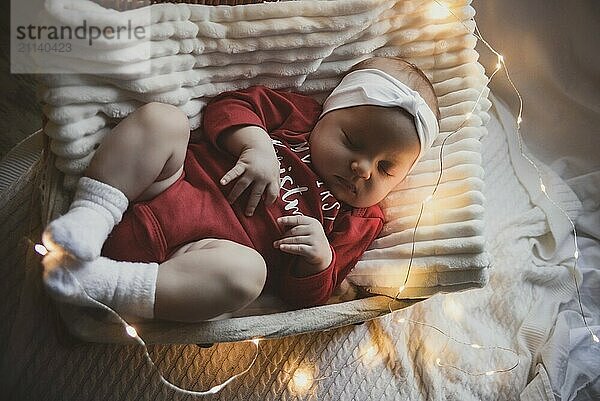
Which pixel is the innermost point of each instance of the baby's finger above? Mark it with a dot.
(254, 198)
(271, 194)
(239, 187)
(293, 220)
(295, 249)
(232, 174)
(297, 240)
(298, 230)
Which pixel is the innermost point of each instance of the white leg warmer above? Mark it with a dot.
(128, 288)
(96, 209)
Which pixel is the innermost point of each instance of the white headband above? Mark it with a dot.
(375, 87)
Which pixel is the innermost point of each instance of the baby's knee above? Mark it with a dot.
(165, 120)
(218, 276)
(247, 274)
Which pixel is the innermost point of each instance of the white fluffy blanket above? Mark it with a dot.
(197, 52)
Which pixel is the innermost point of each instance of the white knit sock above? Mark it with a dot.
(96, 209)
(128, 288)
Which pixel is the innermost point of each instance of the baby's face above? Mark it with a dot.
(363, 152)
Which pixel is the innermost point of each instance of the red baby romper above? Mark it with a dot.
(196, 206)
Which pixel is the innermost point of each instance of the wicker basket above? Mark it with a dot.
(93, 325)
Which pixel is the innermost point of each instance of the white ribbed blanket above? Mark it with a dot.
(198, 51)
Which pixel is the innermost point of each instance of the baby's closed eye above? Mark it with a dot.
(386, 168)
(348, 141)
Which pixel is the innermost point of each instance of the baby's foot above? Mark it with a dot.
(126, 287)
(60, 271)
(97, 207)
(80, 232)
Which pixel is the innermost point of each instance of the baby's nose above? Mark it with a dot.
(361, 169)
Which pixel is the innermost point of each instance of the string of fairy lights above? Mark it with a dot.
(303, 377)
(132, 332)
(502, 65)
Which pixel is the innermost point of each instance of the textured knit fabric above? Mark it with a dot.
(196, 206)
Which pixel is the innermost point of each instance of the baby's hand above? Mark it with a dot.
(257, 165)
(305, 238)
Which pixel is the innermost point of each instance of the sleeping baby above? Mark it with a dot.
(278, 194)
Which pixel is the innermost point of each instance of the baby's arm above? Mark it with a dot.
(257, 165)
(351, 236)
(238, 122)
(305, 238)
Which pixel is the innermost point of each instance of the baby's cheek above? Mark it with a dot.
(385, 190)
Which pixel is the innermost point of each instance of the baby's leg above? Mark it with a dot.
(201, 281)
(208, 278)
(141, 157)
(143, 151)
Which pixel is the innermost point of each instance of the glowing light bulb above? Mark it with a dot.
(369, 354)
(595, 337)
(131, 331)
(475, 345)
(41, 249)
(303, 379)
(500, 62)
(437, 10)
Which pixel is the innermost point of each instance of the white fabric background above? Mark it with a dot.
(551, 50)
